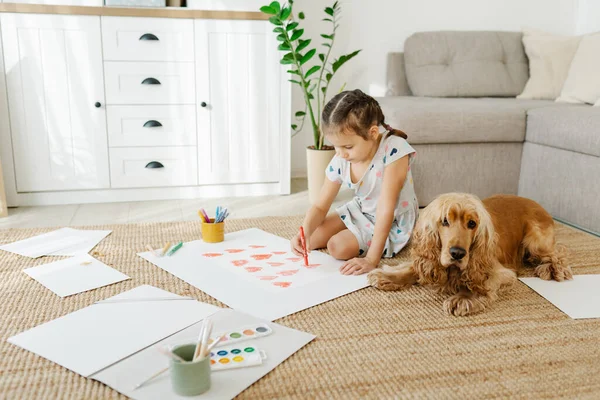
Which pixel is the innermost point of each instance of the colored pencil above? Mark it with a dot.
(303, 242)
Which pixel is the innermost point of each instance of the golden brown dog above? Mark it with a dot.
(470, 249)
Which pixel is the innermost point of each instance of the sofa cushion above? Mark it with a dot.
(429, 120)
(466, 64)
(570, 127)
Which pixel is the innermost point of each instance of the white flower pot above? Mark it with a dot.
(316, 162)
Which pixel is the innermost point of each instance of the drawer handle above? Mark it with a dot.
(150, 81)
(152, 124)
(148, 36)
(154, 164)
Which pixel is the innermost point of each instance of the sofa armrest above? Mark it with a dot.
(397, 84)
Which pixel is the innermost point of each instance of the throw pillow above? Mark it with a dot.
(583, 81)
(550, 57)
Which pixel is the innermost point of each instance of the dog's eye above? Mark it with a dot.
(445, 222)
(471, 224)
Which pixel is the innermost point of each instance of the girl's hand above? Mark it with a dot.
(296, 245)
(357, 266)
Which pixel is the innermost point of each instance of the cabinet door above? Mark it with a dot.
(53, 67)
(238, 79)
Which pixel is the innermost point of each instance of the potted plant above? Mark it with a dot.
(313, 78)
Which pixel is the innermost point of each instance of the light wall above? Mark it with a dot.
(381, 26)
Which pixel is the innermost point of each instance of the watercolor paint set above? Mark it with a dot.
(244, 333)
(231, 357)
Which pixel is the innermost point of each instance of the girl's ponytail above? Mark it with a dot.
(392, 131)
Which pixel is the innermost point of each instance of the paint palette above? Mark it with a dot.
(231, 357)
(247, 332)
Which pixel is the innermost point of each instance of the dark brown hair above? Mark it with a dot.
(354, 110)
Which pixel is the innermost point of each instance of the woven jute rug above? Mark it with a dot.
(370, 344)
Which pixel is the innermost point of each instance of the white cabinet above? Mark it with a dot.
(238, 85)
(54, 77)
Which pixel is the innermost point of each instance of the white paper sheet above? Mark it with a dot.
(578, 298)
(243, 290)
(61, 242)
(99, 335)
(75, 275)
(227, 384)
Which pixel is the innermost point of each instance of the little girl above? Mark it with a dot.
(380, 218)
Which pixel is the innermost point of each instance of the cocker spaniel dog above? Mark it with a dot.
(470, 249)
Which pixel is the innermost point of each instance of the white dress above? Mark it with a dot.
(359, 214)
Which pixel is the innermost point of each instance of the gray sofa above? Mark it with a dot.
(454, 93)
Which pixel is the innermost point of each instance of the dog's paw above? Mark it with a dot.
(461, 305)
(378, 279)
(555, 272)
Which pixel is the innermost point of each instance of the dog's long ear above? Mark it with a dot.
(427, 246)
(482, 253)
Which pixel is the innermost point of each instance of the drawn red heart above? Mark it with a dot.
(275, 264)
(282, 284)
(288, 272)
(234, 250)
(294, 259)
(253, 269)
(313, 265)
(261, 256)
(279, 252)
(212, 254)
(267, 278)
(255, 246)
(239, 263)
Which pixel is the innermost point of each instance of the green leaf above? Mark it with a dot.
(310, 96)
(301, 15)
(268, 10)
(327, 19)
(278, 30)
(286, 61)
(285, 13)
(302, 44)
(281, 37)
(284, 47)
(293, 71)
(326, 44)
(291, 26)
(289, 56)
(294, 127)
(300, 113)
(324, 89)
(334, 4)
(327, 36)
(297, 33)
(328, 77)
(312, 71)
(307, 56)
(322, 57)
(343, 59)
(275, 21)
(293, 81)
(275, 6)
(312, 88)
(328, 10)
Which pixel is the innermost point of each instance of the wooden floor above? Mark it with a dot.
(160, 211)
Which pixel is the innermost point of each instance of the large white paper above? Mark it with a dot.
(75, 275)
(226, 384)
(229, 272)
(61, 242)
(578, 298)
(99, 335)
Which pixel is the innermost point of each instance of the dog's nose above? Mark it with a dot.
(457, 253)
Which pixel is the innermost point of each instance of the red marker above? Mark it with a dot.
(303, 242)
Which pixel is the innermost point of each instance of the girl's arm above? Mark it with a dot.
(317, 213)
(393, 179)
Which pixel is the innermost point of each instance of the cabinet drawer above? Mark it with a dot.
(151, 126)
(149, 83)
(147, 39)
(153, 167)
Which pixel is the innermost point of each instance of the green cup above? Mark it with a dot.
(189, 378)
